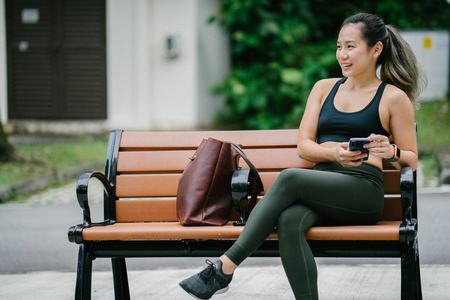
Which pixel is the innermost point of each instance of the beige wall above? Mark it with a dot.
(148, 90)
(432, 50)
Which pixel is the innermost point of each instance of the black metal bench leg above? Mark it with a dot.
(121, 288)
(411, 282)
(406, 275)
(416, 273)
(84, 273)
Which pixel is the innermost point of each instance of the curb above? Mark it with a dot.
(444, 189)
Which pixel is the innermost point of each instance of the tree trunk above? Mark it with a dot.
(6, 149)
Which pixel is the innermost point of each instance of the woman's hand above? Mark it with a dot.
(380, 146)
(348, 158)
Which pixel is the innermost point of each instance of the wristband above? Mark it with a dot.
(396, 156)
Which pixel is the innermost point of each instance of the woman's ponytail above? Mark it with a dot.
(399, 65)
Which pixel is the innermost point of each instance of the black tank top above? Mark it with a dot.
(337, 126)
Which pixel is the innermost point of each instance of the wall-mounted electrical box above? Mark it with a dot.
(172, 46)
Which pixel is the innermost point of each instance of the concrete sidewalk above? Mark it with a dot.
(336, 282)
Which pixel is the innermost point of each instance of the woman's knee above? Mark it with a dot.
(288, 181)
(291, 218)
(298, 217)
(290, 176)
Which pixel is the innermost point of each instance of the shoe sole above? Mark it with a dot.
(221, 291)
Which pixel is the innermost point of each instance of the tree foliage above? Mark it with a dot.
(281, 48)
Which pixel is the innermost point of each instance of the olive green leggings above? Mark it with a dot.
(301, 198)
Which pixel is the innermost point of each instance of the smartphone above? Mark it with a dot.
(357, 144)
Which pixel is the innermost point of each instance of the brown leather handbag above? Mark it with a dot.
(204, 190)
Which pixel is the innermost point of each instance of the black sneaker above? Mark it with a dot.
(208, 282)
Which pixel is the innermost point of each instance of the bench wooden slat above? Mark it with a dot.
(163, 185)
(151, 210)
(161, 231)
(164, 210)
(391, 181)
(191, 140)
(146, 210)
(176, 161)
(384, 230)
(153, 162)
(393, 208)
(166, 185)
(154, 185)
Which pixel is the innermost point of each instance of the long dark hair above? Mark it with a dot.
(399, 65)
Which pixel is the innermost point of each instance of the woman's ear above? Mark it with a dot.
(378, 48)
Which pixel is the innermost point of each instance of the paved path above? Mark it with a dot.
(336, 282)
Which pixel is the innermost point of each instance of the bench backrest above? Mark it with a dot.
(145, 168)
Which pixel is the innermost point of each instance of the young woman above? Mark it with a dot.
(358, 105)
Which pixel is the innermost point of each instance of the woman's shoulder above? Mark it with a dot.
(325, 85)
(327, 82)
(321, 89)
(396, 100)
(395, 95)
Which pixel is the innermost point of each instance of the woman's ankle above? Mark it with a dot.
(228, 266)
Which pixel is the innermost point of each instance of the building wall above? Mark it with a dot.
(432, 50)
(214, 60)
(128, 82)
(174, 79)
(146, 88)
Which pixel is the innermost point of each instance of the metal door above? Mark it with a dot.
(56, 59)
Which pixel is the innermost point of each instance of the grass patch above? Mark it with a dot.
(44, 159)
(433, 127)
(433, 124)
(430, 169)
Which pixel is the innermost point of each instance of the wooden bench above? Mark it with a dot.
(140, 182)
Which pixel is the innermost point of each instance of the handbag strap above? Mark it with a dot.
(253, 171)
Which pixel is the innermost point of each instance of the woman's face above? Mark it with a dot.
(353, 54)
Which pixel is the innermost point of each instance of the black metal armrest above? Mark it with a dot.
(83, 201)
(408, 230)
(239, 192)
(240, 183)
(407, 186)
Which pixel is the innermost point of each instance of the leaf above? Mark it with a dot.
(291, 76)
(211, 19)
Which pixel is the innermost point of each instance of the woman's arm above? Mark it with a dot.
(307, 147)
(401, 123)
